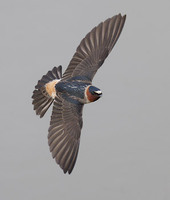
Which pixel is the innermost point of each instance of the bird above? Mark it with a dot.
(68, 92)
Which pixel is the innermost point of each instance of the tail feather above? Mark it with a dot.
(55, 73)
(41, 97)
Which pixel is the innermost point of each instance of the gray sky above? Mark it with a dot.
(125, 142)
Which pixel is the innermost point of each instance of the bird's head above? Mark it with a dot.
(92, 93)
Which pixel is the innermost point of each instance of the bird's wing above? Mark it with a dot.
(41, 99)
(64, 132)
(94, 48)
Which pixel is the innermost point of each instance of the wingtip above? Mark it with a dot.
(65, 171)
(122, 16)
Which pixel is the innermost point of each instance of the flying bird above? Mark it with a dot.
(69, 92)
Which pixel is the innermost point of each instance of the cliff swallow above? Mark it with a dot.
(70, 91)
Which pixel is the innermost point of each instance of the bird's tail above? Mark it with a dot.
(44, 93)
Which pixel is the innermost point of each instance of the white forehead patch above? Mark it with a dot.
(98, 92)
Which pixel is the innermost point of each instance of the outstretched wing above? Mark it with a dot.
(94, 48)
(64, 132)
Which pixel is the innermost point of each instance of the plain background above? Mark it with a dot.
(125, 143)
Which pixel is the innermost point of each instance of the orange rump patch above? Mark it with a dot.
(50, 88)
